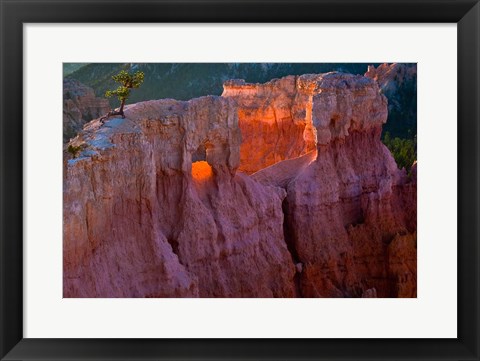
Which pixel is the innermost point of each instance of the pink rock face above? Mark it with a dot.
(139, 224)
(80, 106)
(350, 213)
(351, 220)
(343, 211)
(154, 204)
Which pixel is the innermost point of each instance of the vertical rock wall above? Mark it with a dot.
(351, 213)
(274, 120)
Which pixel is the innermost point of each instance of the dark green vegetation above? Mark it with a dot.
(404, 150)
(184, 81)
(402, 110)
(400, 131)
(127, 82)
(74, 150)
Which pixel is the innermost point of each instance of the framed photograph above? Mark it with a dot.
(239, 180)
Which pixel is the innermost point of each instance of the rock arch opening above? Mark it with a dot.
(200, 154)
(201, 169)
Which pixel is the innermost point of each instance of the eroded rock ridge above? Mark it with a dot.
(161, 203)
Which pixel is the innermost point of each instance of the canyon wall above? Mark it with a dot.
(350, 213)
(79, 106)
(275, 190)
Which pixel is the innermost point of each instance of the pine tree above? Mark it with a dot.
(127, 82)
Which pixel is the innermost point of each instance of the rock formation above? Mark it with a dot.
(79, 106)
(274, 121)
(156, 204)
(140, 221)
(398, 82)
(392, 76)
(350, 214)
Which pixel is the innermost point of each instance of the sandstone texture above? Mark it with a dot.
(350, 214)
(79, 106)
(281, 189)
(274, 119)
(139, 223)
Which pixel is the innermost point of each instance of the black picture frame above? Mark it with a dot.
(14, 13)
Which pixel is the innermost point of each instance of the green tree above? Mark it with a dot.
(127, 82)
(74, 150)
(403, 150)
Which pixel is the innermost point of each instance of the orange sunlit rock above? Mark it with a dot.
(201, 171)
(273, 121)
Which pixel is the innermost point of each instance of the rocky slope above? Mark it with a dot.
(155, 204)
(398, 82)
(79, 106)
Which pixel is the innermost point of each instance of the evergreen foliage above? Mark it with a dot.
(74, 150)
(404, 150)
(127, 82)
